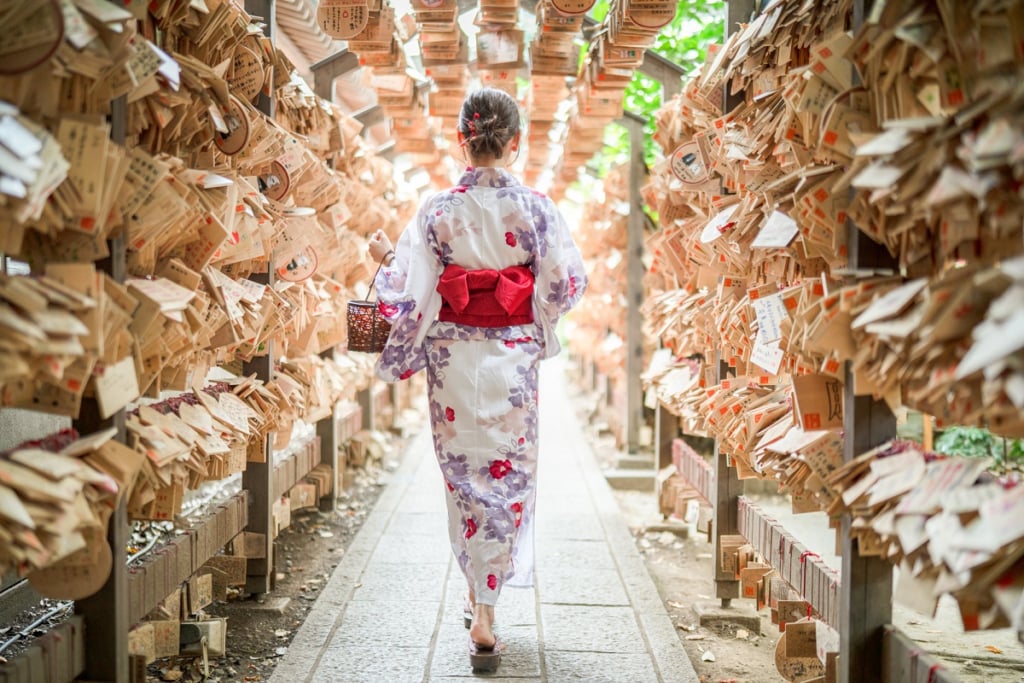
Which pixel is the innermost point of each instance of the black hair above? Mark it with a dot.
(489, 119)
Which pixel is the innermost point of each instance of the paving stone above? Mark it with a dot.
(591, 629)
(568, 586)
(392, 611)
(380, 663)
(569, 526)
(573, 554)
(521, 656)
(673, 662)
(455, 591)
(562, 502)
(598, 667)
(409, 582)
(407, 549)
(427, 524)
(496, 677)
(404, 624)
(517, 607)
(426, 503)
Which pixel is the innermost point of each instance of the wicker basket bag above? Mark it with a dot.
(368, 330)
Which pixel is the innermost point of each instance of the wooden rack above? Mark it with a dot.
(859, 606)
(93, 644)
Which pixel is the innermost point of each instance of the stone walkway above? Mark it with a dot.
(392, 610)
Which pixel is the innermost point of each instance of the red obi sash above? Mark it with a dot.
(486, 298)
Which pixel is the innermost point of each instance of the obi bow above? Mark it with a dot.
(512, 288)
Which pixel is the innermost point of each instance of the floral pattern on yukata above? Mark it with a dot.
(482, 382)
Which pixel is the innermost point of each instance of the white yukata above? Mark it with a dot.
(482, 380)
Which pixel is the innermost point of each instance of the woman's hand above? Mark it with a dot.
(380, 246)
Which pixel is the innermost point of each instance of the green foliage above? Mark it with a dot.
(697, 24)
(979, 442)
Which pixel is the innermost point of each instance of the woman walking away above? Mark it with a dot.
(474, 289)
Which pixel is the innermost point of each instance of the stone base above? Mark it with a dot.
(680, 529)
(712, 614)
(275, 605)
(631, 479)
(634, 462)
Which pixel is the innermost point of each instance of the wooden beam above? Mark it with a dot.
(387, 150)
(370, 116)
(665, 71)
(330, 68)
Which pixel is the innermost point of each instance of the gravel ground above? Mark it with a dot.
(307, 553)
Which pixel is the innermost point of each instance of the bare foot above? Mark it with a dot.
(482, 630)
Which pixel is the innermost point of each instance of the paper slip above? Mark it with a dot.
(777, 232)
(18, 139)
(770, 311)
(767, 355)
(719, 224)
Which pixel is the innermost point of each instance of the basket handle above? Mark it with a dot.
(373, 280)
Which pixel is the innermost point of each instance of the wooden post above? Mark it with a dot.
(635, 285)
(106, 612)
(727, 484)
(666, 428)
(865, 605)
(365, 399)
(257, 478)
(866, 588)
(327, 430)
(726, 521)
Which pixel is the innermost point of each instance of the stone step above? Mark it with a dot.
(631, 479)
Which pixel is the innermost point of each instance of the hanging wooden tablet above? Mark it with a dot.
(276, 182)
(246, 76)
(572, 7)
(238, 127)
(651, 15)
(300, 267)
(342, 19)
(32, 33)
(688, 164)
(79, 575)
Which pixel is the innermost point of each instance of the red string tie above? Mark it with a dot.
(803, 575)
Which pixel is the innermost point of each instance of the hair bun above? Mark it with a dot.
(488, 120)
